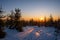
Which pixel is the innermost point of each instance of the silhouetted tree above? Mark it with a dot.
(45, 22)
(50, 22)
(38, 23)
(7, 21)
(11, 20)
(18, 24)
(24, 23)
(57, 25)
(31, 22)
(2, 33)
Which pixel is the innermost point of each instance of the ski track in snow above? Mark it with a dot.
(31, 33)
(22, 35)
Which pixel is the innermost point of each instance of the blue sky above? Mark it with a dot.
(33, 8)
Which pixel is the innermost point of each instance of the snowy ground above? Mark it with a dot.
(32, 33)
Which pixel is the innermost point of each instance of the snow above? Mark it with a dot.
(10, 34)
(32, 33)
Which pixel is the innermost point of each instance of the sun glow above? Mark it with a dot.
(41, 19)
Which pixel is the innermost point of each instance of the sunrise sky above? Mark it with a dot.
(36, 9)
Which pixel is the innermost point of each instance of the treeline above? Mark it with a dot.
(13, 21)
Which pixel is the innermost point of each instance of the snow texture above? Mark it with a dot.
(32, 33)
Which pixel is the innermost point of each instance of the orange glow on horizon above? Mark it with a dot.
(35, 18)
(40, 18)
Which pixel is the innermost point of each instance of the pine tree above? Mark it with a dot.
(50, 21)
(18, 24)
(45, 22)
(2, 33)
(58, 23)
(11, 20)
(31, 22)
